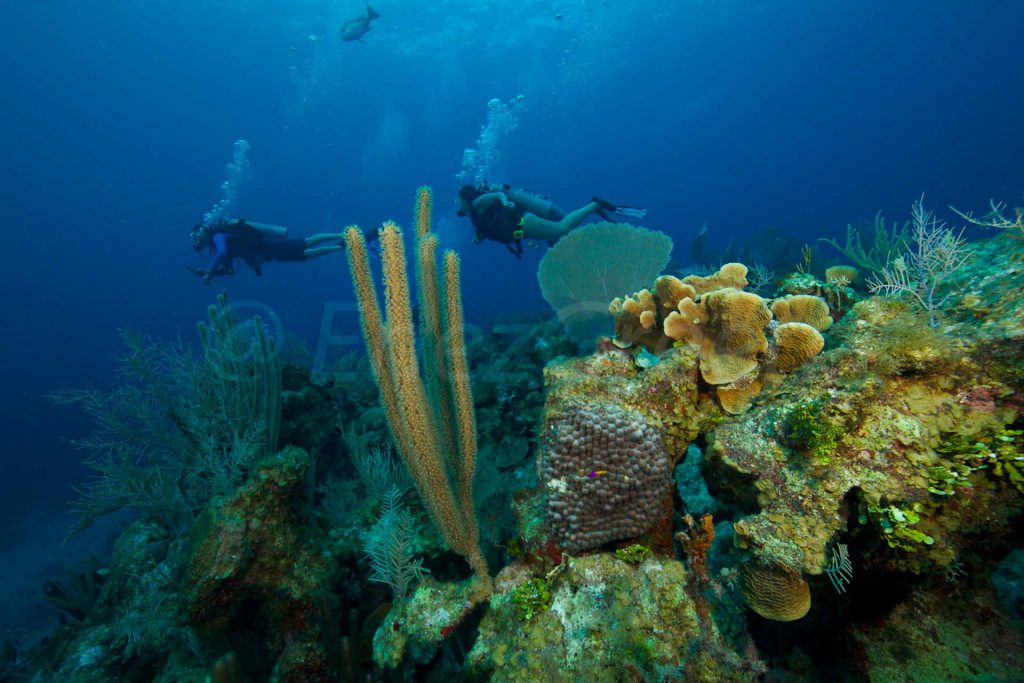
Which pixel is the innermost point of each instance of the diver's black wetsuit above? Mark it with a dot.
(238, 239)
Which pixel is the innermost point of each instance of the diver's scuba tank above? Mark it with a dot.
(266, 229)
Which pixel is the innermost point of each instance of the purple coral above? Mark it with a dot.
(606, 473)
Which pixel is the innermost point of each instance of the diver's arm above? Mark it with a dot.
(222, 256)
(486, 201)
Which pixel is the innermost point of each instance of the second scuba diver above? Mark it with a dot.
(229, 239)
(509, 215)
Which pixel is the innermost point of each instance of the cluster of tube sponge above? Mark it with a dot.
(744, 345)
(429, 411)
(606, 472)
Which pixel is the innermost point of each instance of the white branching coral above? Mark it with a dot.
(935, 252)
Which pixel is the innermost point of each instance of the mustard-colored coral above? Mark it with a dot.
(803, 308)
(796, 343)
(737, 396)
(776, 593)
(844, 274)
(635, 317)
(729, 276)
(670, 290)
(727, 325)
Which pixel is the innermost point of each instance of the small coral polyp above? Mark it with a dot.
(606, 472)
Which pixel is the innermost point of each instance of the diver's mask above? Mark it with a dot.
(200, 236)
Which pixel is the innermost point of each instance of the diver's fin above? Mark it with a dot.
(606, 207)
(631, 212)
(371, 14)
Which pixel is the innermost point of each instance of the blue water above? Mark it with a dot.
(119, 116)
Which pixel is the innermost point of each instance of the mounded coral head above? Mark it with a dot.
(606, 472)
(803, 308)
(795, 344)
(776, 593)
(844, 274)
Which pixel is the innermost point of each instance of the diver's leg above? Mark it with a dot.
(572, 220)
(531, 203)
(539, 206)
(535, 227)
(322, 251)
(323, 237)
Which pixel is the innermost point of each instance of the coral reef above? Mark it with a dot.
(776, 593)
(846, 474)
(743, 348)
(607, 620)
(256, 559)
(877, 415)
(416, 627)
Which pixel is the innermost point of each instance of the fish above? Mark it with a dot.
(700, 250)
(357, 27)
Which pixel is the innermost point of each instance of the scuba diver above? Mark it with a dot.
(228, 239)
(510, 215)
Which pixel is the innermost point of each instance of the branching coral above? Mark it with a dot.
(741, 349)
(884, 242)
(438, 445)
(936, 253)
(727, 325)
(997, 218)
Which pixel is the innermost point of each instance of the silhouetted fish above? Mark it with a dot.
(356, 28)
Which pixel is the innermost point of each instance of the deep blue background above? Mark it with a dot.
(118, 116)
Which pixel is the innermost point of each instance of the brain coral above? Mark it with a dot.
(606, 472)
